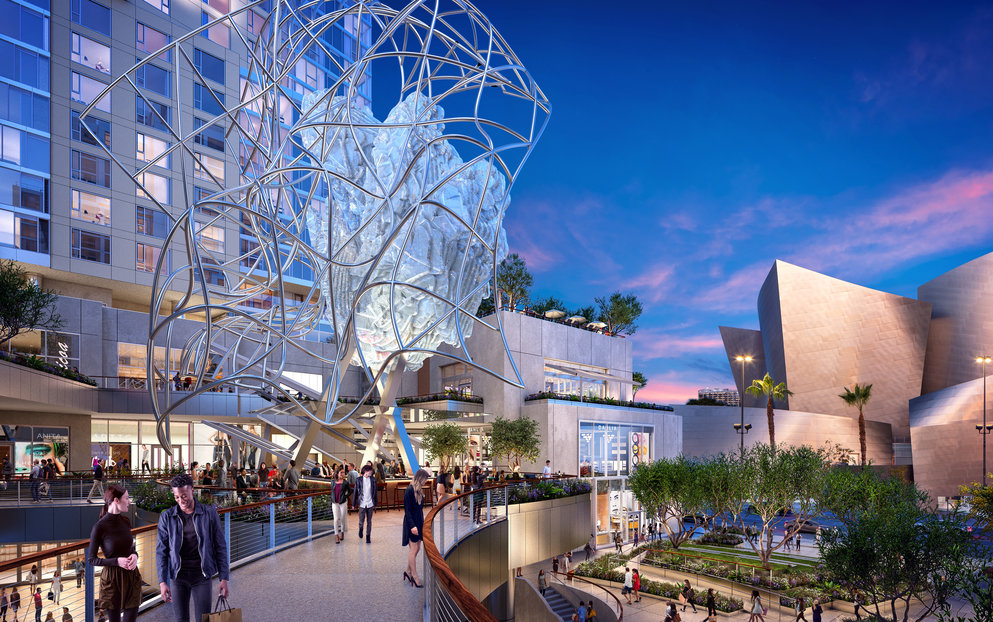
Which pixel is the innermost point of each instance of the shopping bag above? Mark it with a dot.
(223, 612)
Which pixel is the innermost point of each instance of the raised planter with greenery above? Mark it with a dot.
(587, 399)
(548, 489)
(38, 363)
(719, 538)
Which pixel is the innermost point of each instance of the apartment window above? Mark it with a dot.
(24, 149)
(249, 253)
(150, 40)
(149, 149)
(255, 22)
(23, 65)
(146, 257)
(92, 15)
(162, 5)
(205, 166)
(89, 53)
(150, 221)
(24, 24)
(24, 232)
(154, 78)
(157, 186)
(23, 190)
(24, 107)
(90, 246)
(213, 276)
(211, 136)
(90, 208)
(206, 99)
(457, 378)
(84, 89)
(89, 168)
(208, 65)
(218, 33)
(145, 114)
(211, 237)
(93, 131)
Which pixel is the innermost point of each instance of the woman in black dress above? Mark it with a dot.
(120, 581)
(413, 524)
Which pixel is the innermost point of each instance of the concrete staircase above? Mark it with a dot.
(562, 608)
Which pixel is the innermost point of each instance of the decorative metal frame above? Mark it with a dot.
(443, 51)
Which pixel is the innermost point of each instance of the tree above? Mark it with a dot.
(516, 439)
(485, 307)
(444, 441)
(668, 490)
(514, 281)
(588, 312)
(547, 304)
(619, 312)
(893, 546)
(24, 305)
(981, 504)
(639, 381)
(772, 481)
(768, 387)
(858, 397)
(704, 401)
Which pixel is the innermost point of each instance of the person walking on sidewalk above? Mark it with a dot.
(97, 481)
(3, 604)
(57, 586)
(413, 523)
(80, 567)
(36, 482)
(817, 610)
(191, 550)
(711, 605)
(801, 608)
(120, 581)
(292, 477)
(15, 601)
(38, 603)
(686, 595)
(757, 612)
(542, 583)
(340, 493)
(628, 584)
(636, 585)
(367, 501)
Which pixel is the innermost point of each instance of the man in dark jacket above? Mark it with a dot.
(365, 493)
(190, 551)
(97, 482)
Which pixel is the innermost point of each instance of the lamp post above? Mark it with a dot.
(741, 429)
(984, 429)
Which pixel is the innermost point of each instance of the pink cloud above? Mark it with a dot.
(653, 344)
(653, 283)
(668, 391)
(737, 293)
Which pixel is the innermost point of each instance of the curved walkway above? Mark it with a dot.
(327, 582)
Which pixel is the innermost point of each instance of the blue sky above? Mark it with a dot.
(692, 144)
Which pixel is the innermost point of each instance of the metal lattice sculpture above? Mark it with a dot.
(381, 237)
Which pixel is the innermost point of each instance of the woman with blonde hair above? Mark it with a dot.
(413, 523)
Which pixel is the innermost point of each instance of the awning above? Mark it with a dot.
(586, 373)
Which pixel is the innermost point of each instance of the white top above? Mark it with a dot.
(628, 579)
(547, 471)
(365, 494)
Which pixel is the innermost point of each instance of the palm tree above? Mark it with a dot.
(858, 397)
(767, 386)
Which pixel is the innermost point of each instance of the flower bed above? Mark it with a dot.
(609, 401)
(548, 489)
(721, 539)
(602, 568)
(38, 363)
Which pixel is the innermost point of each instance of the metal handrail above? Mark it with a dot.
(617, 601)
(468, 605)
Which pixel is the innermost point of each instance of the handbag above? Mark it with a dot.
(51, 595)
(765, 611)
(223, 612)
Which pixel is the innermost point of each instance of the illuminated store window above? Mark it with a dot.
(613, 448)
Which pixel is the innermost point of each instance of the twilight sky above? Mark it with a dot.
(693, 143)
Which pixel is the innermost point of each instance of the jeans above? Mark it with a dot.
(340, 511)
(190, 583)
(35, 490)
(365, 514)
(37, 614)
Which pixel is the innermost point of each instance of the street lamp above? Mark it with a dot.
(984, 429)
(741, 428)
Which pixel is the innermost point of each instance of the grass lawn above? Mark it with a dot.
(722, 553)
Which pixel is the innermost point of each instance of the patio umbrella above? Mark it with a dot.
(576, 319)
(597, 325)
(554, 314)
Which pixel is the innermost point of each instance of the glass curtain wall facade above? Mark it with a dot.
(607, 449)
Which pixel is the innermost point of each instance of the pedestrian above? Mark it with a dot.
(756, 611)
(628, 584)
(353, 479)
(120, 581)
(291, 477)
(671, 615)
(568, 561)
(35, 483)
(943, 592)
(636, 585)
(144, 459)
(66, 617)
(798, 538)
(366, 493)
(413, 523)
(787, 541)
(588, 550)
(38, 603)
(555, 564)
(547, 471)
(191, 549)
(33, 577)
(581, 612)
(636, 534)
(50, 616)
(801, 608)
(381, 471)
(340, 493)
(80, 567)
(711, 606)
(57, 586)
(590, 612)
(686, 595)
(476, 482)
(242, 484)
(15, 601)
(542, 584)
(818, 610)
(617, 541)
(7, 470)
(817, 536)
(4, 603)
(441, 487)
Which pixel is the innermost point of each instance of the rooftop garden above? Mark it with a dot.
(38, 363)
(608, 401)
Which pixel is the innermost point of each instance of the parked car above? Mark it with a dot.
(811, 526)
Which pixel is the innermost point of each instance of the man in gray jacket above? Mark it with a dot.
(291, 477)
(190, 551)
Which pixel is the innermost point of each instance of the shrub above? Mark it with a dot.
(721, 539)
(541, 490)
